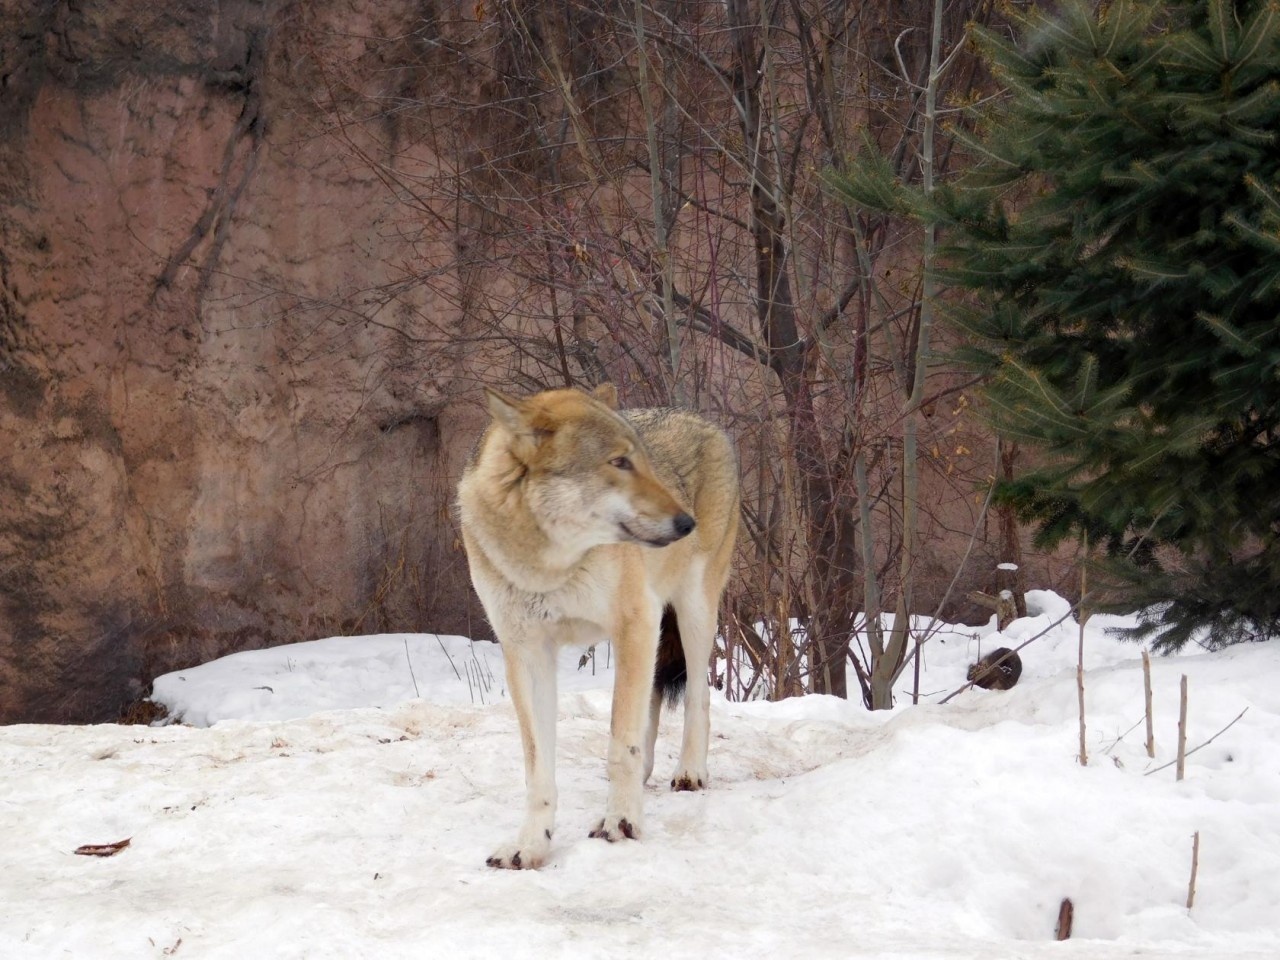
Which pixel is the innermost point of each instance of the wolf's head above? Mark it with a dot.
(585, 474)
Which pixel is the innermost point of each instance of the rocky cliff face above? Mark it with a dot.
(214, 430)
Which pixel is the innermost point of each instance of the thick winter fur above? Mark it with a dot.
(998, 670)
(583, 524)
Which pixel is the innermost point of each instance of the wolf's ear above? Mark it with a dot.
(506, 411)
(511, 414)
(607, 394)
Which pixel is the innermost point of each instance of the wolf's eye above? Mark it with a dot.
(622, 463)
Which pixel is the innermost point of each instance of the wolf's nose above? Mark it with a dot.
(684, 524)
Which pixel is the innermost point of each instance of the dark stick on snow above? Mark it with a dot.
(1066, 913)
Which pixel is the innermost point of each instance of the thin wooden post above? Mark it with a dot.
(1146, 685)
(1182, 730)
(1084, 583)
(1195, 866)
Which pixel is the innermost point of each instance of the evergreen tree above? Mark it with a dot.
(1119, 235)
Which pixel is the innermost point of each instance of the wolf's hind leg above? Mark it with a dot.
(697, 620)
(651, 739)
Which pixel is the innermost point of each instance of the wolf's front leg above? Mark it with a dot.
(636, 649)
(531, 678)
(696, 614)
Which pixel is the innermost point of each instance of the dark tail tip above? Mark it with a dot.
(670, 674)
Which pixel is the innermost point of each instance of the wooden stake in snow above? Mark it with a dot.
(1182, 729)
(1195, 866)
(1084, 753)
(1066, 913)
(1146, 685)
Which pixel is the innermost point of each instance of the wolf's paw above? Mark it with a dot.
(521, 856)
(689, 780)
(616, 828)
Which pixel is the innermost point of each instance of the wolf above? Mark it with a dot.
(583, 523)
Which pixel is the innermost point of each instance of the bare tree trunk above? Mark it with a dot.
(662, 213)
(886, 667)
(870, 587)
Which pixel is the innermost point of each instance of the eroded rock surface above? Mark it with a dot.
(214, 432)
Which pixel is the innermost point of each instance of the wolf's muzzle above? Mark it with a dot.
(683, 524)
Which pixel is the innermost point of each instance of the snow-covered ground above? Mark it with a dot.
(828, 832)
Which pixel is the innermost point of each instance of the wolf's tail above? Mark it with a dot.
(670, 674)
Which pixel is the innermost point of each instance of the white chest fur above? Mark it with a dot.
(578, 611)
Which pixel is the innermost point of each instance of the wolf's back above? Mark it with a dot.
(696, 458)
(691, 454)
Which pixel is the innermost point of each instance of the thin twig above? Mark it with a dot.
(1114, 743)
(447, 657)
(1202, 746)
(412, 677)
